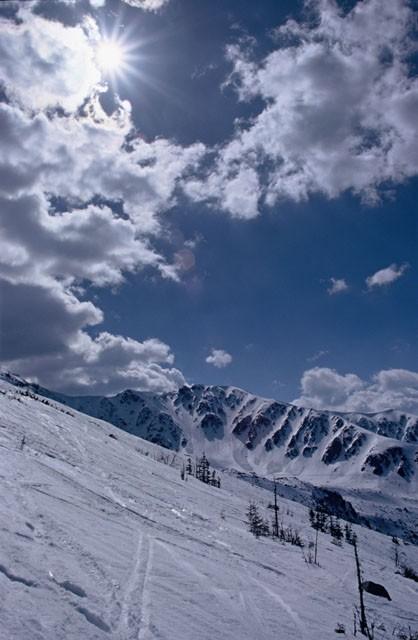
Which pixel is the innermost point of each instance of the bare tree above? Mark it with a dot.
(364, 627)
(276, 513)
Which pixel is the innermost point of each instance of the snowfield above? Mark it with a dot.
(101, 539)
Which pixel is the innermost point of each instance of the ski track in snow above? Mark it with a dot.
(116, 498)
(250, 615)
(289, 610)
(185, 564)
(250, 610)
(135, 615)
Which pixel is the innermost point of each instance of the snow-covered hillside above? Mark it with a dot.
(100, 539)
(241, 431)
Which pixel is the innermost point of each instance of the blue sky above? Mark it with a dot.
(183, 217)
(263, 294)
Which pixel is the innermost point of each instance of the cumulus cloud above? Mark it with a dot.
(337, 285)
(340, 103)
(219, 358)
(86, 244)
(386, 276)
(81, 198)
(91, 148)
(324, 388)
(43, 336)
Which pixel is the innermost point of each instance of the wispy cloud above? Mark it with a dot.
(337, 285)
(318, 355)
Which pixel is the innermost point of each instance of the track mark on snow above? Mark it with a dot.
(293, 615)
(135, 615)
(69, 586)
(247, 614)
(93, 618)
(189, 566)
(117, 499)
(14, 578)
(72, 588)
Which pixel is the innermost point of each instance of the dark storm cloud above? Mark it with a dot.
(38, 321)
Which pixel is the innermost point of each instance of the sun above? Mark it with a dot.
(117, 54)
(110, 56)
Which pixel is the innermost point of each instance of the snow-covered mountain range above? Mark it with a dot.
(101, 538)
(241, 431)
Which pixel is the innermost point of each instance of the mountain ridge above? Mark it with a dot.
(239, 430)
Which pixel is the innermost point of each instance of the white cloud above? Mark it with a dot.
(91, 149)
(51, 257)
(86, 244)
(37, 156)
(337, 285)
(340, 104)
(234, 188)
(219, 358)
(241, 193)
(147, 5)
(56, 63)
(324, 388)
(386, 276)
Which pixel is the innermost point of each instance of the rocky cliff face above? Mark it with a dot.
(239, 430)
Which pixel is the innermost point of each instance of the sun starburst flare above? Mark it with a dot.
(110, 56)
(120, 57)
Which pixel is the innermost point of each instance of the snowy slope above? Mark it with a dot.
(248, 433)
(100, 540)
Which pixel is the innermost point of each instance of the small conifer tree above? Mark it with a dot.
(189, 467)
(256, 524)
